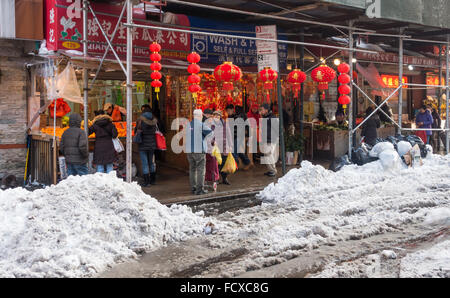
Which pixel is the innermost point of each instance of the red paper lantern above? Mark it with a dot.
(156, 84)
(344, 99)
(344, 89)
(343, 68)
(268, 76)
(156, 75)
(155, 57)
(296, 78)
(228, 73)
(194, 88)
(154, 47)
(156, 66)
(193, 68)
(323, 75)
(344, 78)
(193, 58)
(194, 79)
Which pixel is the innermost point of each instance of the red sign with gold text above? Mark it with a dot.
(64, 31)
(393, 81)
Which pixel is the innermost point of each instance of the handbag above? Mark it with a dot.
(160, 140)
(138, 135)
(118, 145)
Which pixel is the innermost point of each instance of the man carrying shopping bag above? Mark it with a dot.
(197, 135)
(269, 144)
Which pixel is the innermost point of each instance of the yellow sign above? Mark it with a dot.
(71, 45)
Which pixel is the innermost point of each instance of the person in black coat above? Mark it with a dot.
(369, 128)
(104, 151)
(74, 147)
(147, 124)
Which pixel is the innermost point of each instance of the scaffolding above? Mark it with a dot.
(128, 70)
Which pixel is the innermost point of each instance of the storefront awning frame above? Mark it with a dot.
(129, 25)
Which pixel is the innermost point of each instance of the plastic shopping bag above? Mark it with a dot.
(230, 165)
(216, 154)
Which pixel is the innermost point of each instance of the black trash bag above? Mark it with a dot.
(379, 140)
(339, 163)
(360, 157)
(8, 181)
(393, 140)
(423, 150)
(413, 140)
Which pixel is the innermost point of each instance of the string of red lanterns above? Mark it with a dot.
(268, 76)
(344, 89)
(156, 76)
(194, 69)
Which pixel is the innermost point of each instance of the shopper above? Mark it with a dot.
(147, 124)
(212, 167)
(223, 139)
(117, 113)
(74, 147)
(424, 120)
(369, 128)
(196, 136)
(238, 145)
(269, 145)
(339, 119)
(104, 151)
(436, 125)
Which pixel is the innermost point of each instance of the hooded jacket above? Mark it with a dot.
(74, 142)
(147, 123)
(105, 131)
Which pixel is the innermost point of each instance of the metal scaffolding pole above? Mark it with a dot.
(350, 107)
(400, 81)
(85, 70)
(302, 94)
(447, 124)
(439, 93)
(129, 148)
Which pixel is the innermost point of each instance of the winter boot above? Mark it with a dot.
(146, 180)
(152, 178)
(224, 179)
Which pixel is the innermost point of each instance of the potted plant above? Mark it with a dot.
(294, 144)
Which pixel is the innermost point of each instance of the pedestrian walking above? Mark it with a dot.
(196, 147)
(269, 146)
(104, 151)
(74, 147)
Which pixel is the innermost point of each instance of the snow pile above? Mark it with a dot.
(312, 206)
(432, 262)
(80, 226)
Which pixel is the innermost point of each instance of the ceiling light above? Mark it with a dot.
(410, 67)
(337, 61)
(354, 60)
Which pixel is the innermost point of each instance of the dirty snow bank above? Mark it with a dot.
(432, 262)
(312, 206)
(83, 224)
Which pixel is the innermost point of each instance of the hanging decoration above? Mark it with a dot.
(228, 73)
(194, 79)
(344, 89)
(323, 75)
(268, 76)
(156, 76)
(296, 78)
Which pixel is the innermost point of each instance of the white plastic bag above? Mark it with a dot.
(403, 147)
(118, 145)
(380, 147)
(390, 160)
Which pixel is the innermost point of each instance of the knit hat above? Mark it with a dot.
(198, 113)
(208, 111)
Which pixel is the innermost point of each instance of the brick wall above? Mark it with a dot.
(13, 106)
